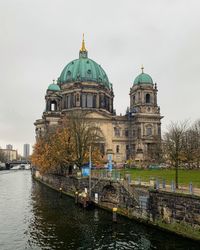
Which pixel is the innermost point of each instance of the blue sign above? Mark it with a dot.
(85, 171)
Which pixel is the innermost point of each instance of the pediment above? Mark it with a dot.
(99, 115)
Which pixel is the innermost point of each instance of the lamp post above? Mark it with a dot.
(90, 167)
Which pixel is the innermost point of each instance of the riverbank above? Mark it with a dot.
(34, 216)
(177, 213)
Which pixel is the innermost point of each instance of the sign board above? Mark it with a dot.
(85, 171)
(96, 198)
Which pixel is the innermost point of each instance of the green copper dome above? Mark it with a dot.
(53, 87)
(143, 78)
(84, 70)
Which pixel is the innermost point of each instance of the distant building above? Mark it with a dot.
(9, 146)
(26, 150)
(10, 154)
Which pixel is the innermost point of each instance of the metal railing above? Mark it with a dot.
(154, 183)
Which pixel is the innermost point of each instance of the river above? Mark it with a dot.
(33, 216)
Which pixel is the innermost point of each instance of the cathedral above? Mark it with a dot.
(83, 85)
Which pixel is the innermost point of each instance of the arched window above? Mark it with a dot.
(139, 132)
(83, 100)
(69, 101)
(147, 98)
(159, 130)
(89, 101)
(117, 149)
(107, 103)
(77, 97)
(126, 133)
(117, 132)
(65, 101)
(94, 101)
(102, 101)
(139, 96)
(134, 99)
(53, 106)
(149, 131)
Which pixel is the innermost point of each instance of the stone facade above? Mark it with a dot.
(83, 85)
(10, 154)
(171, 207)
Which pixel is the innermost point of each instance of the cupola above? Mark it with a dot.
(143, 78)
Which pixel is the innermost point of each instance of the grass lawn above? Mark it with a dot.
(185, 176)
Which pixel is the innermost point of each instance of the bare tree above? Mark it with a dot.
(196, 142)
(191, 152)
(84, 134)
(189, 147)
(174, 144)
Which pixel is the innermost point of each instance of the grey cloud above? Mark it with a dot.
(38, 38)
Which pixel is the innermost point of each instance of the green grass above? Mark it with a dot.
(185, 176)
(181, 228)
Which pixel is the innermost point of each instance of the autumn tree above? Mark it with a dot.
(40, 155)
(54, 151)
(68, 145)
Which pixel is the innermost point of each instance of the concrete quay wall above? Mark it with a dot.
(175, 212)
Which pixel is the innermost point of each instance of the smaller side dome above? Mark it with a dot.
(143, 78)
(53, 87)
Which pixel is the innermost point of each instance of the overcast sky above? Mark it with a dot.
(39, 37)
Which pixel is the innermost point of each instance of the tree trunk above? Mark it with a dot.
(176, 174)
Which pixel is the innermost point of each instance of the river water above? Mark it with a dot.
(33, 216)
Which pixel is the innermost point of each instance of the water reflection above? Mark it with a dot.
(46, 221)
(59, 224)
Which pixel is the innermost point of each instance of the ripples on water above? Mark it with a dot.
(34, 217)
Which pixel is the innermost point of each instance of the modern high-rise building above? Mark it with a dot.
(26, 150)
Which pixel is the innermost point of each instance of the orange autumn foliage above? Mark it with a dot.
(68, 145)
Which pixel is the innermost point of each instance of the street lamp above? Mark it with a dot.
(90, 167)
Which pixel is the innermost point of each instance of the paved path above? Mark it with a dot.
(182, 189)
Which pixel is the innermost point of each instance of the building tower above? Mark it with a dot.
(146, 118)
(26, 151)
(9, 146)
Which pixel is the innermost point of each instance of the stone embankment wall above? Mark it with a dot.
(175, 212)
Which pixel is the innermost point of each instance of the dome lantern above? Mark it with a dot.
(84, 69)
(83, 51)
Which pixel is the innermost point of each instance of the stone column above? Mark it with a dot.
(97, 101)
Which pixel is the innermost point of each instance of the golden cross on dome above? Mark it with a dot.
(83, 49)
(53, 81)
(142, 68)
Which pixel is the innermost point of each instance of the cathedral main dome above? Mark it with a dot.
(84, 69)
